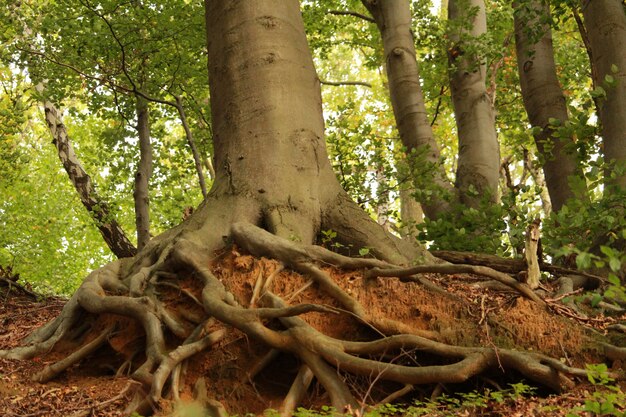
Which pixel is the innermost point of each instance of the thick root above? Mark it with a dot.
(133, 291)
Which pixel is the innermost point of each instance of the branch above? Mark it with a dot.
(441, 93)
(117, 40)
(351, 13)
(343, 83)
(194, 150)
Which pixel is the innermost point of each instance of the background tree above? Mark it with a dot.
(605, 22)
(479, 154)
(543, 98)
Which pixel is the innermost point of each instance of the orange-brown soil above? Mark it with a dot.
(476, 317)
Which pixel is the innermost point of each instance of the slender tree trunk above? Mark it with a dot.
(110, 230)
(543, 97)
(479, 155)
(539, 179)
(411, 214)
(382, 198)
(393, 19)
(192, 144)
(605, 21)
(143, 174)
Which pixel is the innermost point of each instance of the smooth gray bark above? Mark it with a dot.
(411, 214)
(543, 96)
(605, 21)
(479, 153)
(143, 174)
(271, 163)
(111, 231)
(393, 19)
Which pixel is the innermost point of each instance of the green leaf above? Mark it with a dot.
(598, 92)
(615, 264)
(595, 300)
(609, 252)
(583, 260)
(613, 279)
(554, 122)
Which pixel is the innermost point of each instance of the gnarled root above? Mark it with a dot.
(132, 290)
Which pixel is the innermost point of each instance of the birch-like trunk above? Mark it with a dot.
(543, 96)
(605, 21)
(479, 154)
(111, 231)
(143, 174)
(393, 19)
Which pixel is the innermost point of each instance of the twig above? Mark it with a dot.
(562, 296)
(88, 410)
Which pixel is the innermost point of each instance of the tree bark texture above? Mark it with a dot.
(479, 153)
(143, 174)
(269, 147)
(111, 231)
(393, 19)
(543, 96)
(605, 21)
(411, 214)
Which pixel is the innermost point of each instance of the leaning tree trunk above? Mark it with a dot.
(111, 231)
(605, 21)
(543, 97)
(478, 168)
(393, 19)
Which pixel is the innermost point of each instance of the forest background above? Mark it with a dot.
(52, 241)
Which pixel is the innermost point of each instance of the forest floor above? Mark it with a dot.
(92, 389)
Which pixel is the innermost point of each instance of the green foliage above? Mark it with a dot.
(444, 405)
(607, 399)
(42, 222)
(92, 60)
(584, 227)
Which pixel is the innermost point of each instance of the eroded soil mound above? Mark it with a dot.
(246, 376)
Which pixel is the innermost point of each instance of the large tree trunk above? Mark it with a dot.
(393, 19)
(543, 97)
(111, 231)
(605, 21)
(269, 144)
(478, 168)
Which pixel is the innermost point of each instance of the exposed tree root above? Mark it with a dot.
(297, 391)
(55, 369)
(132, 291)
(460, 269)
